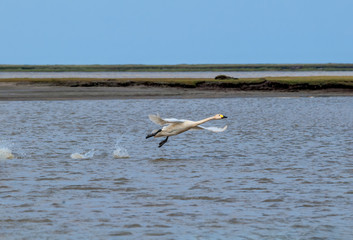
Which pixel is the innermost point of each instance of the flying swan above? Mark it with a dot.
(177, 126)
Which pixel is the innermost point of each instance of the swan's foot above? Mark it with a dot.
(153, 134)
(163, 142)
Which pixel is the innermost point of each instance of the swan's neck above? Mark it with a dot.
(204, 120)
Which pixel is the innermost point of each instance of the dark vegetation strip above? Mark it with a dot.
(270, 83)
(177, 68)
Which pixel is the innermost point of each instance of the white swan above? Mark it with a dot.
(177, 126)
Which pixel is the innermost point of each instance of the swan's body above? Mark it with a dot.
(177, 126)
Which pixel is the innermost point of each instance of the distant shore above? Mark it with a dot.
(145, 88)
(176, 68)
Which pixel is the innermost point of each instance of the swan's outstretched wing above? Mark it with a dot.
(156, 119)
(160, 121)
(212, 129)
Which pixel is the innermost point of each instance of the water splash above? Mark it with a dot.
(86, 155)
(6, 153)
(120, 152)
(5, 150)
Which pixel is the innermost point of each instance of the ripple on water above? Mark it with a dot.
(120, 234)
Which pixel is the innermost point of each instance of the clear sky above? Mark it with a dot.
(175, 31)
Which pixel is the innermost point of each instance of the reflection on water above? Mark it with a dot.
(282, 170)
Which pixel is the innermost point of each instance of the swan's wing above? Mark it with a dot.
(156, 119)
(173, 120)
(160, 121)
(212, 129)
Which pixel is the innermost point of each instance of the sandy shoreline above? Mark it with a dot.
(28, 92)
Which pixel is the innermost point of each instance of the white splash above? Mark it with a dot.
(86, 155)
(6, 153)
(119, 151)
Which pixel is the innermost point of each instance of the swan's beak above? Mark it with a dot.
(224, 117)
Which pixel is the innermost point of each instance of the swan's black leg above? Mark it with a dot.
(153, 134)
(163, 142)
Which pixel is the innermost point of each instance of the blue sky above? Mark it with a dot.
(175, 31)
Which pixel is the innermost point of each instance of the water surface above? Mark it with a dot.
(251, 74)
(282, 170)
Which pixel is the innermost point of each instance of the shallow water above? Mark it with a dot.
(251, 74)
(282, 170)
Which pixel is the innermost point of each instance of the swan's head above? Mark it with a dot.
(219, 116)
